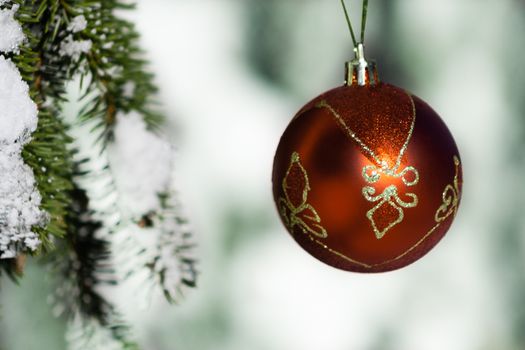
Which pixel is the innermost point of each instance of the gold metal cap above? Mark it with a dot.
(360, 72)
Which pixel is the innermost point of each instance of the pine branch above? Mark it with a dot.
(115, 63)
(175, 242)
(120, 80)
(47, 153)
(117, 83)
(82, 258)
(168, 260)
(83, 264)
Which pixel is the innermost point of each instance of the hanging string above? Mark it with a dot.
(349, 22)
(363, 21)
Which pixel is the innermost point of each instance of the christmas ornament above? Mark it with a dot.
(367, 177)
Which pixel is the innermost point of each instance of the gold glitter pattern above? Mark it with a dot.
(372, 174)
(295, 210)
(390, 195)
(450, 197)
(380, 162)
(449, 207)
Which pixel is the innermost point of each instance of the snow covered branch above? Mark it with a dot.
(76, 198)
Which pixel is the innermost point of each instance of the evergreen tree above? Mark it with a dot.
(91, 196)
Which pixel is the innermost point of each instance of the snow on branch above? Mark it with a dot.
(141, 162)
(19, 198)
(12, 34)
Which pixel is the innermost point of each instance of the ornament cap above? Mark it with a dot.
(360, 72)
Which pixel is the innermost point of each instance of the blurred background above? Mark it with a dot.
(232, 73)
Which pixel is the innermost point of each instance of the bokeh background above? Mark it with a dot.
(231, 74)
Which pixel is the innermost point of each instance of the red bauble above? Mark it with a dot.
(367, 178)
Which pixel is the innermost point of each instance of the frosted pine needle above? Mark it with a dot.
(19, 198)
(78, 24)
(74, 48)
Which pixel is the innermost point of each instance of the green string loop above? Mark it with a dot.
(363, 21)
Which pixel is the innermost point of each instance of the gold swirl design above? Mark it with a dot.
(390, 195)
(450, 197)
(372, 174)
(364, 147)
(448, 208)
(303, 215)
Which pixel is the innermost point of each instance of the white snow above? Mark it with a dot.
(18, 113)
(19, 204)
(74, 48)
(129, 89)
(77, 24)
(11, 34)
(19, 198)
(141, 162)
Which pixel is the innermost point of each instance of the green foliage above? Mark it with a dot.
(83, 262)
(116, 80)
(47, 153)
(175, 236)
(115, 65)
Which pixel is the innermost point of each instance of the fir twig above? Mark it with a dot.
(47, 154)
(114, 63)
(83, 263)
(82, 256)
(77, 239)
